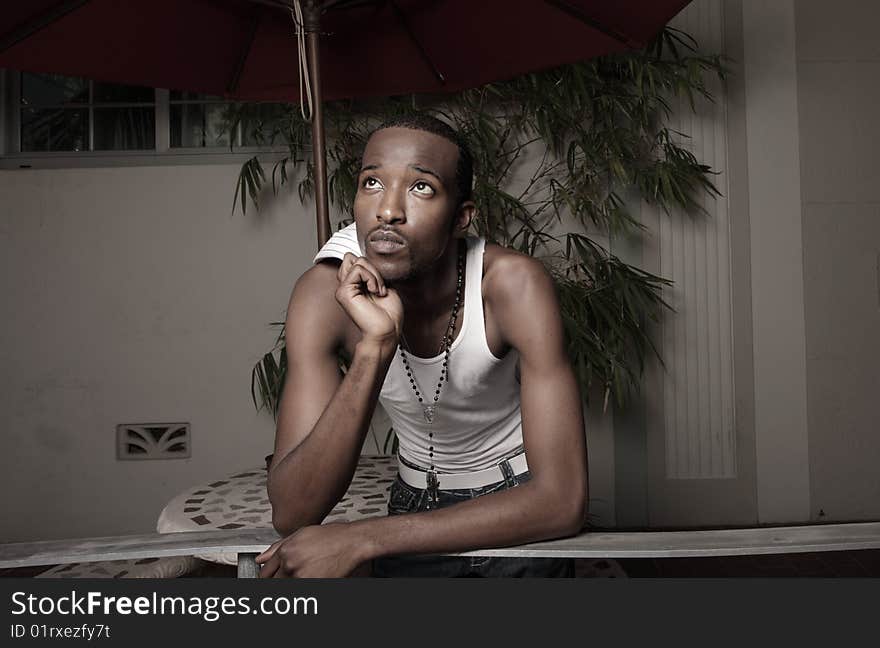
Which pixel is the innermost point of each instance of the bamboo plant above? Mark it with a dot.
(557, 154)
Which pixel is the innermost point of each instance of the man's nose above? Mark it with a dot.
(391, 209)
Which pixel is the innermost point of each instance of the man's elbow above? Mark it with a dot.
(285, 524)
(286, 519)
(572, 517)
(282, 520)
(568, 517)
(281, 524)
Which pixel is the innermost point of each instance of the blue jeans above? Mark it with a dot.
(407, 499)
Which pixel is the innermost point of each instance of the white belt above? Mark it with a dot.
(450, 481)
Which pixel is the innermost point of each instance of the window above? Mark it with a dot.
(51, 115)
(203, 121)
(197, 121)
(59, 113)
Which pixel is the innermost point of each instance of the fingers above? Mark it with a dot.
(275, 567)
(345, 267)
(269, 560)
(270, 550)
(270, 567)
(358, 271)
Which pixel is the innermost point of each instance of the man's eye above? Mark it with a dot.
(371, 183)
(423, 188)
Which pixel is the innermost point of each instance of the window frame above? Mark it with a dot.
(11, 156)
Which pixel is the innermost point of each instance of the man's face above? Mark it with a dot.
(406, 208)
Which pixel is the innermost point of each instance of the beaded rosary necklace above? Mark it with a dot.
(428, 411)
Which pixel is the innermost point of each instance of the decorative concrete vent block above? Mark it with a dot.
(136, 441)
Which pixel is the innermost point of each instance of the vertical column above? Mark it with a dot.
(781, 440)
(694, 251)
(676, 448)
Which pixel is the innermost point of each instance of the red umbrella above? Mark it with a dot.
(247, 49)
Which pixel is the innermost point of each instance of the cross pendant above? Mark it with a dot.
(429, 412)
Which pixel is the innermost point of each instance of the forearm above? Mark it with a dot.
(308, 482)
(510, 517)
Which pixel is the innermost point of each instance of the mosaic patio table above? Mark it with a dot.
(241, 500)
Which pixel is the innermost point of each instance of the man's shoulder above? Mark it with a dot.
(319, 280)
(313, 302)
(510, 276)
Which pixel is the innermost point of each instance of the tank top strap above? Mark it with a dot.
(473, 286)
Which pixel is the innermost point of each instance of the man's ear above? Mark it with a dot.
(463, 217)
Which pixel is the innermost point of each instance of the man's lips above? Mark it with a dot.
(385, 242)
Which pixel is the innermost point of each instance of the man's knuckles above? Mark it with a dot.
(345, 266)
(290, 557)
(355, 274)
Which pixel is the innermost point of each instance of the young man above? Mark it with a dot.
(462, 342)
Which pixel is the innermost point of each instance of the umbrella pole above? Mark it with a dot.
(312, 21)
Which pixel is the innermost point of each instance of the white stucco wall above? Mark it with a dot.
(838, 61)
(811, 94)
(131, 295)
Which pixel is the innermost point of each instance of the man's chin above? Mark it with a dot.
(391, 269)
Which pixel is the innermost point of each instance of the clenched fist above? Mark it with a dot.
(373, 307)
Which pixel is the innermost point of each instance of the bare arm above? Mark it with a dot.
(550, 505)
(322, 418)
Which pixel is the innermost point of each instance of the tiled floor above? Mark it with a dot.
(829, 564)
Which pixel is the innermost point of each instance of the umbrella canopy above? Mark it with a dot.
(247, 49)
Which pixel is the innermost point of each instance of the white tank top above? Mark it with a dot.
(477, 420)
